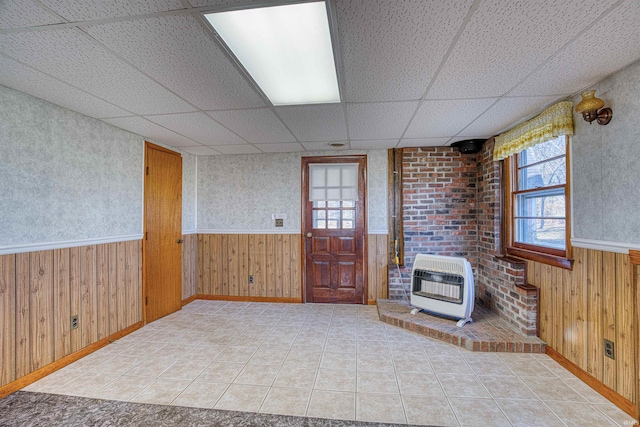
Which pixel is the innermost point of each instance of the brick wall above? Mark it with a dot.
(452, 207)
(439, 212)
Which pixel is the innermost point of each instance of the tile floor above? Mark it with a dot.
(327, 361)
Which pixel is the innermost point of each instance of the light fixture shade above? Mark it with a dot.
(589, 102)
(286, 49)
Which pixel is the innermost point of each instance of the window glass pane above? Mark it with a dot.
(349, 224)
(348, 204)
(319, 223)
(319, 214)
(333, 204)
(348, 214)
(541, 232)
(553, 172)
(334, 214)
(333, 224)
(546, 150)
(319, 204)
(545, 204)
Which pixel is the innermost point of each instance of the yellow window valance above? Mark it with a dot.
(554, 121)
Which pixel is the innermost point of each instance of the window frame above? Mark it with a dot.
(547, 255)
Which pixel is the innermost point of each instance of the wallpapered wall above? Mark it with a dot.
(65, 176)
(189, 164)
(241, 192)
(606, 193)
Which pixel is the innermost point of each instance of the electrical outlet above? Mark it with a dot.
(250, 278)
(279, 222)
(74, 322)
(609, 349)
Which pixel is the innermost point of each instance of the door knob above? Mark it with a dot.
(179, 241)
(309, 235)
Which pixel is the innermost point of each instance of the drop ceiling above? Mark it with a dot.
(412, 73)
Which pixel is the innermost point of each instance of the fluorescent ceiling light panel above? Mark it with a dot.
(286, 49)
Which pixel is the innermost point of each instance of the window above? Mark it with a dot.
(537, 203)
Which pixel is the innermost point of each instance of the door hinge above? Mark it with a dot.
(147, 170)
(146, 301)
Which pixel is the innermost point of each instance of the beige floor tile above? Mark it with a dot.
(478, 412)
(257, 375)
(303, 359)
(266, 356)
(506, 387)
(550, 388)
(338, 361)
(151, 367)
(419, 383)
(242, 397)
(412, 363)
(375, 362)
(52, 382)
(123, 388)
(616, 414)
(338, 345)
(121, 364)
(200, 395)
(185, 369)
(462, 386)
(291, 376)
(428, 410)
(235, 354)
(450, 365)
(488, 366)
(377, 382)
(332, 404)
(286, 401)
(525, 365)
(525, 413)
(86, 384)
(579, 414)
(370, 347)
(585, 391)
(381, 408)
(220, 372)
(336, 380)
(161, 391)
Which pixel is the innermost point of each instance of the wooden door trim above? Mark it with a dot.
(148, 146)
(305, 161)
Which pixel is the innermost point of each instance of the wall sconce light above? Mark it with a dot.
(589, 107)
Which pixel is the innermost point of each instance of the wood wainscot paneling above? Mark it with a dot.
(378, 286)
(189, 266)
(39, 293)
(249, 267)
(580, 308)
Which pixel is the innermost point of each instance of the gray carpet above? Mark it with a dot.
(41, 409)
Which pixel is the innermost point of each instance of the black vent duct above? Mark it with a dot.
(469, 146)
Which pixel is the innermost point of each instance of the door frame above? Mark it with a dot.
(305, 162)
(149, 145)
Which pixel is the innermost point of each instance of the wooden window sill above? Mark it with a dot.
(554, 260)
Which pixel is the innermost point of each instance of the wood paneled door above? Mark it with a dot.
(163, 232)
(334, 229)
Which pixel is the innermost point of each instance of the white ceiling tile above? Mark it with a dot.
(391, 50)
(200, 150)
(201, 3)
(82, 10)
(199, 127)
(590, 59)
(237, 149)
(70, 56)
(423, 142)
(179, 53)
(376, 144)
(28, 80)
(323, 146)
(383, 120)
(504, 41)
(445, 117)
(506, 113)
(259, 125)
(283, 147)
(147, 129)
(315, 122)
(25, 13)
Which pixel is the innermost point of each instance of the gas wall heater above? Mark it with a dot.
(443, 285)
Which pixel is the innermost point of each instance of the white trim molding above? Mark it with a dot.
(270, 231)
(33, 247)
(603, 245)
(185, 232)
(378, 232)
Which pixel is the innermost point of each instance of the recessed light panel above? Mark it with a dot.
(286, 49)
